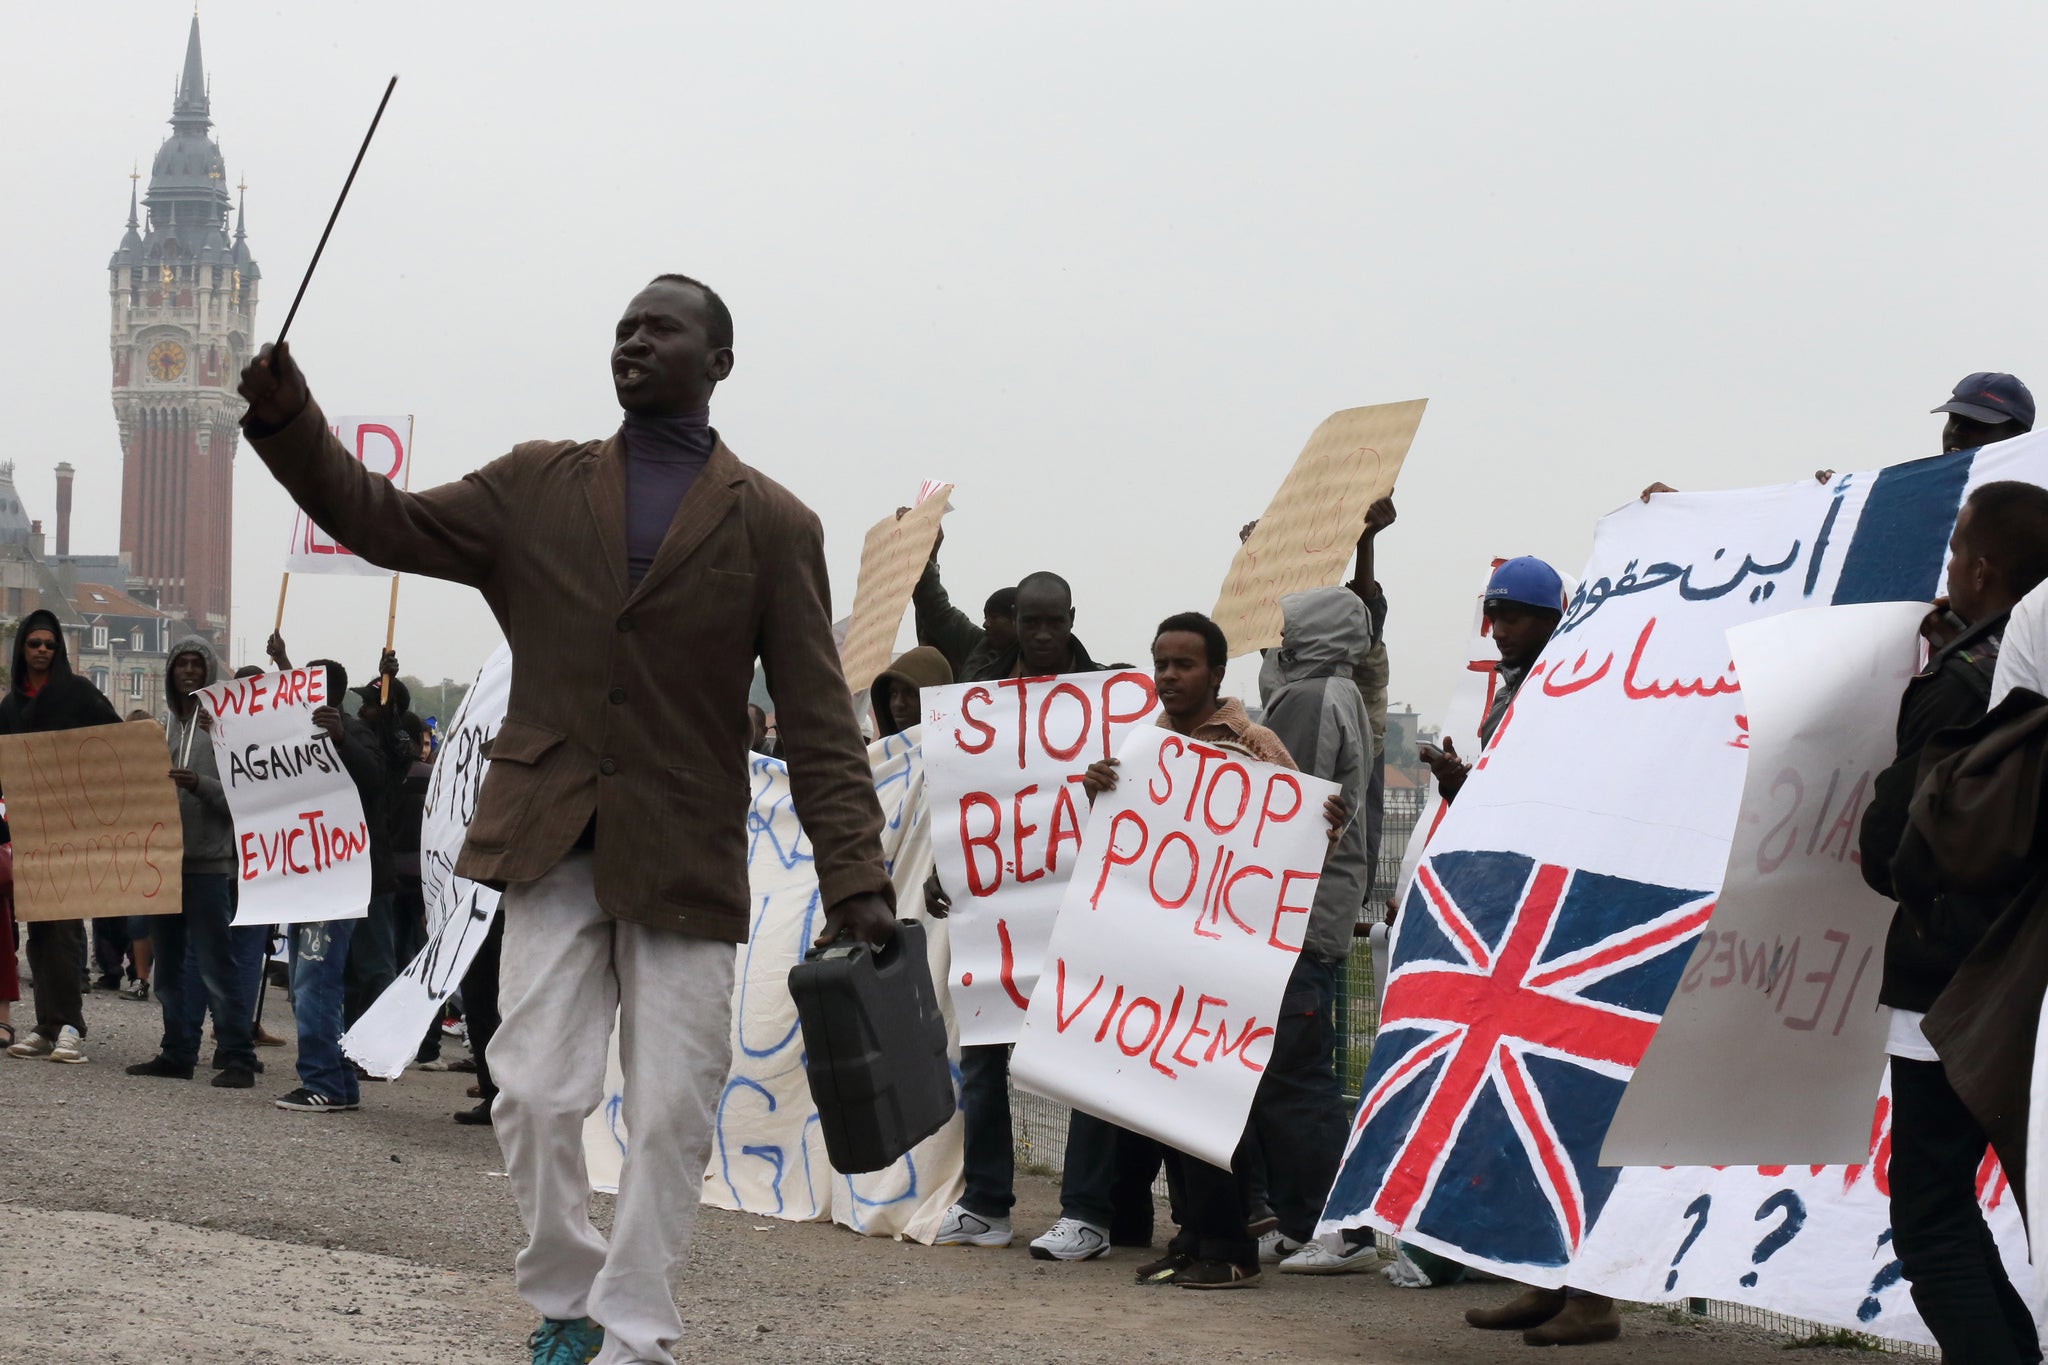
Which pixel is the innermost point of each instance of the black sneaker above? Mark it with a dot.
(312, 1102)
(1165, 1268)
(1216, 1275)
(161, 1066)
(235, 1078)
(219, 1065)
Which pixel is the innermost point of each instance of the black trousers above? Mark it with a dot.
(480, 1003)
(1945, 1248)
(56, 954)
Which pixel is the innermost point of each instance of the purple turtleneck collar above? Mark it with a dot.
(664, 456)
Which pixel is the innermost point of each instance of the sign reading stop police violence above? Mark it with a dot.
(1004, 761)
(1179, 929)
(302, 847)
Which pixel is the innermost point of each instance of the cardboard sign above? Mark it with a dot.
(382, 445)
(767, 1156)
(95, 822)
(1558, 908)
(891, 559)
(1773, 1042)
(1174, 942)
(1005, 761)
(459, 911)
(1312, 525)
(302, 847)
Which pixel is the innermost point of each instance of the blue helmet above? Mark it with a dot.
(1529, 581)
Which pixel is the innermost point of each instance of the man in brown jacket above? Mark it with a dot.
(637, 578)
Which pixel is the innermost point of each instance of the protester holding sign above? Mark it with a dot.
(44, 694)
(637, 579)
(1998, 554)
(1524, 601)
(197, 952)
(969, 648)
(1314, 708)
(996, 954)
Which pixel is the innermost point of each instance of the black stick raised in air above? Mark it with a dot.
(337, 210)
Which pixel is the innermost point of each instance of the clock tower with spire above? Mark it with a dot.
(183, 290)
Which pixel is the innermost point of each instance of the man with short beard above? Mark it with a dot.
(638, 579)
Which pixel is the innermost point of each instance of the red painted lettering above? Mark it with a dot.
(986, 731)
(976, 884)
(1271, 814)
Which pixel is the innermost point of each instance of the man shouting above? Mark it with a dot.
(637, 578)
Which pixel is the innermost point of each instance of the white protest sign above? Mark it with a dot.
(1558, 905)
(1174, 942)
(302, 847)
(1005, 761)
(1811, 1242)
(459, 911)
(768, 1155)
(1773, 1042)
(382, 445)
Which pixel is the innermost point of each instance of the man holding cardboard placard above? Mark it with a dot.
(43, 694)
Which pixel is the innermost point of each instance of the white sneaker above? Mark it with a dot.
(1317, 1258)
(70, 1047)
(963, 1229)
(1070, 1239)
(1276, 1247)
(34, 1045)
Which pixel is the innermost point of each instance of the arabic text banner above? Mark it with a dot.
(1560, 901)
(302, 847)
(1005, 762)
(768, 1157)
(95, 823)
(459, 911)
(382, 445)
(1773, 1043)
(1174, 943)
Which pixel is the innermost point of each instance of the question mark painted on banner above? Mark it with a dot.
(1794, 1209)
(1884, 1279)
(1696, 1210)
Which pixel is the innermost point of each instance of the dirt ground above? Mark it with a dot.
(154, 1221)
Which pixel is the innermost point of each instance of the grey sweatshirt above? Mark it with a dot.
(1315, 707)
(209, 828)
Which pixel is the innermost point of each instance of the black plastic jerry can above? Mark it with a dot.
(874, 1048)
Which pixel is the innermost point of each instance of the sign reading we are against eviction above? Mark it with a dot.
(1162, 985)
(302, 846)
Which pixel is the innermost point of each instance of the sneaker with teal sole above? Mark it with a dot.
(566, 1341)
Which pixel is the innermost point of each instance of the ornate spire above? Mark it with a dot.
(241, 209)
(192, 107)
(134, 176)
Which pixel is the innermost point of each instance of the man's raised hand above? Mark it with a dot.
(274, 386)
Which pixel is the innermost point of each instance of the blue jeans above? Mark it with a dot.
(990, 1159)
(196, 968)
(319, 955)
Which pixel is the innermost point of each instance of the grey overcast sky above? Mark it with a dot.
(1104, 265)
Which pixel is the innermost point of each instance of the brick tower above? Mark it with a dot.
(183, 296)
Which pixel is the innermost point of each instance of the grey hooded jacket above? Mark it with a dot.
(1315, 707)
(209, 827)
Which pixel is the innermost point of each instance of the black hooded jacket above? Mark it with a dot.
(377, 765)
(66, 701)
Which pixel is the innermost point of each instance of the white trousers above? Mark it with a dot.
(567, 967)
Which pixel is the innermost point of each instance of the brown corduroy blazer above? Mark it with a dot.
(627, 702)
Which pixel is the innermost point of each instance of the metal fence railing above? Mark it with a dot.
(1040, 1126)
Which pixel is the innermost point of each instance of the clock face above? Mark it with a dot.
(166, 361)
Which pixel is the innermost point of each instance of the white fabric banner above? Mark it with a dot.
(1773, 1042)
(1813, 1242)
(302, 847)
(1006, 760)
(459, 911)
(768, 1156)
(1175, 939)
(382, 445)
(1558, 906)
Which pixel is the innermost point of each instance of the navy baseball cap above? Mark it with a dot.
(1988, 396)
(1529, 581)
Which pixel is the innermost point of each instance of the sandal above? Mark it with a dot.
(9, 1030)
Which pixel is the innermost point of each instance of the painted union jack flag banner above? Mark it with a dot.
(1522, 995)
